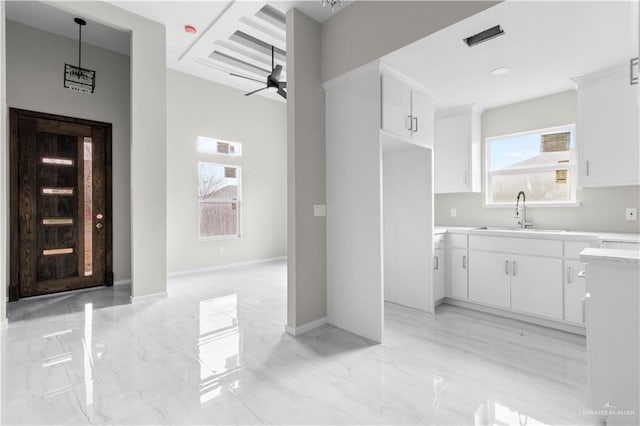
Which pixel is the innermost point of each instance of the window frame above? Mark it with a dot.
(571, 167)
(238, 202)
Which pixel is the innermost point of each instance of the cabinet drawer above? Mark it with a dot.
(572, 249)
(458, 240)
(530, 246)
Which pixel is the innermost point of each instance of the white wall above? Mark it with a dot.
(306, 234)
(354, 204)
(35, 61)
(407, 181)
(601, 209)
(196, 107)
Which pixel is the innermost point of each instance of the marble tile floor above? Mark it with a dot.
(214, 352)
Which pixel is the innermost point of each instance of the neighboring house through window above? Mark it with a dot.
(541, 163)
(219, 192)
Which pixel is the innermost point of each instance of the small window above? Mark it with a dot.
(541, 163)
(215, 146)
(219, 200)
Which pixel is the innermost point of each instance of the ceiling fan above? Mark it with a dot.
(273, 80)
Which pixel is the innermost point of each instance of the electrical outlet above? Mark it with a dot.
(631, 214)
(453, 212)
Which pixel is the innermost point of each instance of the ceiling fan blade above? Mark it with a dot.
(248, 78)
(282, 84)
(275, 75)
(255, 91)
(282, 93)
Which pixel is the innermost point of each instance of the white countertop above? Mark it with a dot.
(548, 234)
(613, 255)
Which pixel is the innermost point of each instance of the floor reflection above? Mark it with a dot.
(87, 343)
(491, 413)
(218, 346)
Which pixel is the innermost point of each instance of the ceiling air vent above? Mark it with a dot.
(484, 36)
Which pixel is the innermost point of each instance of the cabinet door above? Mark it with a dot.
(607, 133)
(574, 291)
(489, 275)
(422, 112)
(458, 268)
(396, 106)
(438, 274)
(536, 285)
(451, 154)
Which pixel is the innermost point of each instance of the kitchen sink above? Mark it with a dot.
(497, 228)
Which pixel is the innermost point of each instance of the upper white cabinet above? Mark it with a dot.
(406, 111)
(607, 130)
(457, 151)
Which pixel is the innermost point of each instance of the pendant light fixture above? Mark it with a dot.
(78, 78)
(334, 4)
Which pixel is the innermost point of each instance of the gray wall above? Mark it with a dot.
(305, 172)
(601, 209)
(197, 107)
(35, 63)
(366, 30)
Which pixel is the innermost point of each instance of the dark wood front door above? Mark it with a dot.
(60, 204)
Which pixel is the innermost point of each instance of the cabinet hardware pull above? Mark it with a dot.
(410, 123)
(415, 128)
(464, 262)
(587, 164)
(435, 262)
(506, 267)
(584, 306)
(515, 270)
(569, 273)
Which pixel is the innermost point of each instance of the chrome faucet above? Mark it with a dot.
(522, 221)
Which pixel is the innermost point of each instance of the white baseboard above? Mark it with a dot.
(530, 319)
(296, 331)
(220, 267)
(122, 282)
(148, 297)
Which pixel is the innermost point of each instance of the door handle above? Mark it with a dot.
(569, 273)
(414, 120)
(435, 262)
(515, 270)
(506, 267)
(410, 123)
(587, 165)
(99, 225)
(464, 262)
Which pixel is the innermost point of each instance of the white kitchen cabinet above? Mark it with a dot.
(607, 129)
(574, 291)
(406, 111)
(457, 151)
(439, 274)
(536, 285)
(458, 271)
(489, 278)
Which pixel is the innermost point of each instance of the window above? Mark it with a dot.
(219, 200)
(215, 146)
(541, 163)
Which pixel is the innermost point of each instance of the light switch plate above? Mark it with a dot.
(319, 210)
(631, 214)
(453, 212)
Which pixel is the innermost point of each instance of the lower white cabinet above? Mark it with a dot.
(490, 278)
(438, 274)
(458, 270)
(574, 290)
(528, 284)
(536, 286)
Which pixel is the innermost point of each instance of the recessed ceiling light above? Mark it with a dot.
(501, 71)
(190, 29)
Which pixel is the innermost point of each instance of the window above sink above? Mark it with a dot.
(541, 163)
